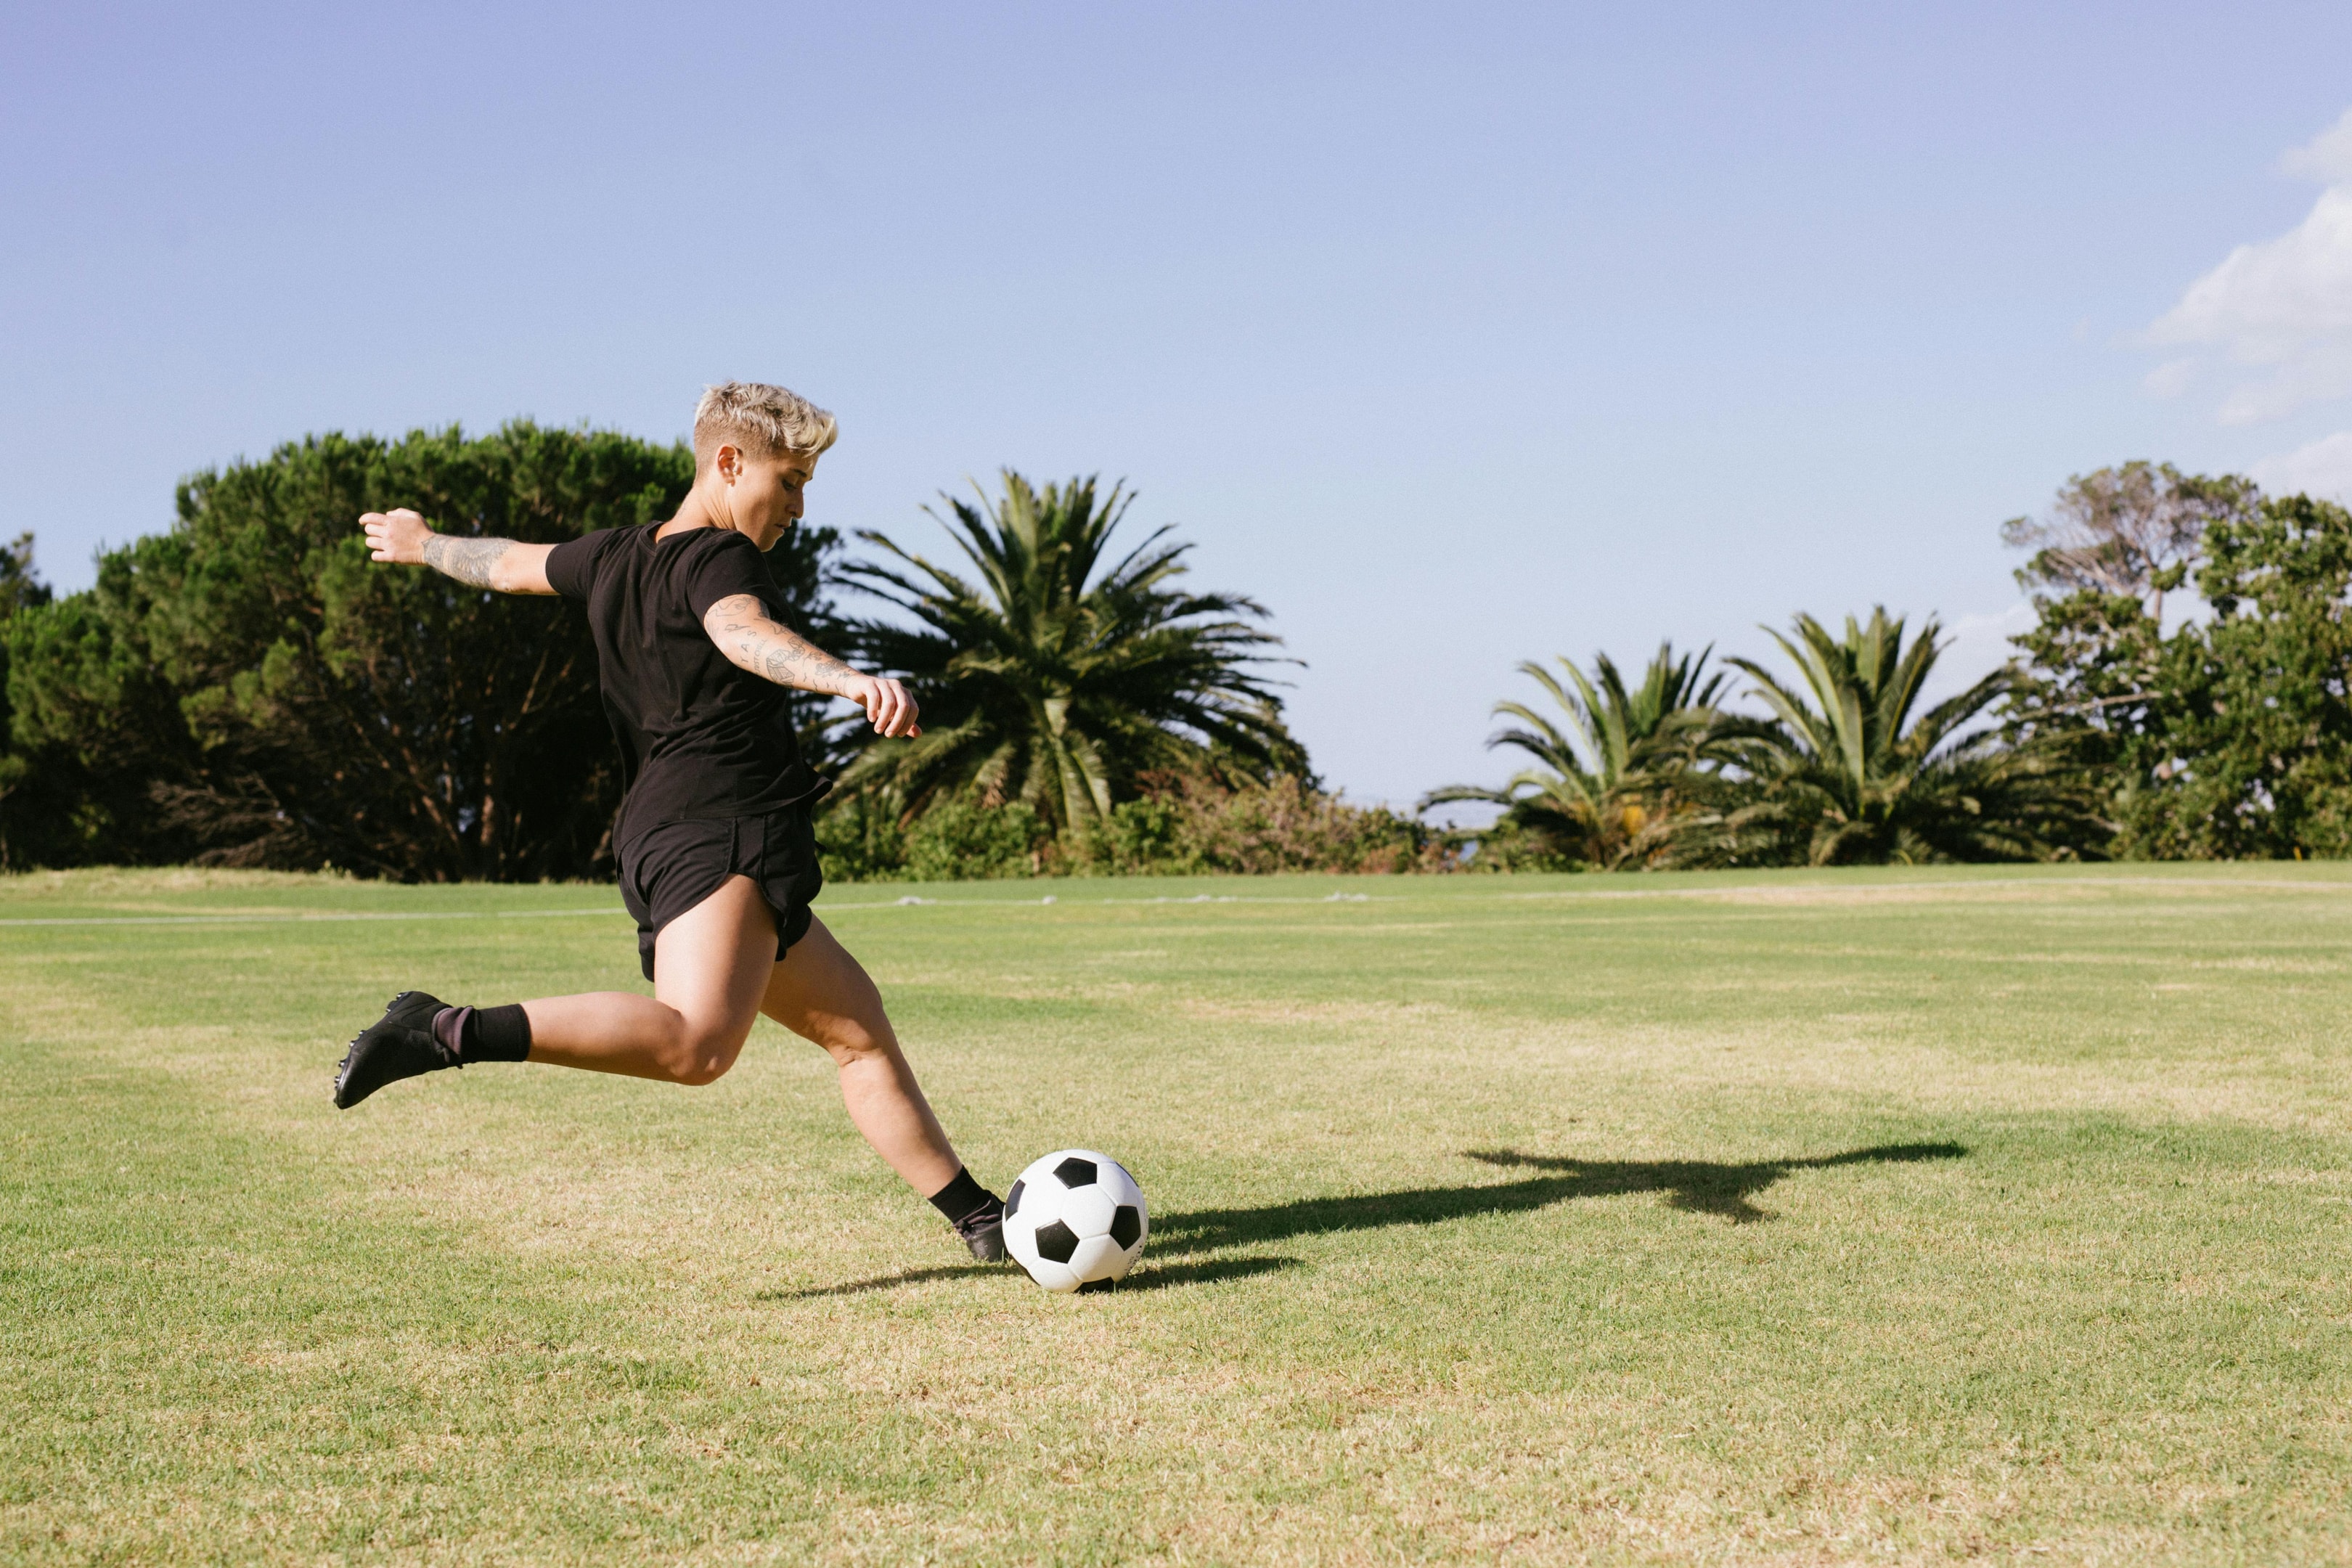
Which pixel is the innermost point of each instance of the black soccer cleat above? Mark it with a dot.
(398, 1045)
(983, 1231)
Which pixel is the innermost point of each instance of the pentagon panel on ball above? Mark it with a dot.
(1076, 1220)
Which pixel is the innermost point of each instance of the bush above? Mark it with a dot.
(1508, 846)
(962, 840)
(865, 837)
(1192, 823)
(859, 838)
(1187, 825)
(1143, 837)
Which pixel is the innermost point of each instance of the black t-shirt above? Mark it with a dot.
(699, 737)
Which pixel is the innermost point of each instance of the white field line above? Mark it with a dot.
(358, 915)
(1955, 886)
(326, 919)
(914, 903)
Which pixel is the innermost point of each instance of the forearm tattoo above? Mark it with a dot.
(774, 652)
(470, 561)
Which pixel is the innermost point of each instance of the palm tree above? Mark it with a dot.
(1609, 782)
(1059, 674)
(1843, 773)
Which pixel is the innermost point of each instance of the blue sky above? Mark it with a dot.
(1457, 335)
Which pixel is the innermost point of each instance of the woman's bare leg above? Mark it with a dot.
(710, 965)
(821, 994)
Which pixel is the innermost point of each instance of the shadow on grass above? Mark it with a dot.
(1148, 1276)
(1161, 1276)
(1697, 1185)
(885, 1282)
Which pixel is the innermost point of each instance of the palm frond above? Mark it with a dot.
(1063, 670)
(1846, 769)
(1616, 761)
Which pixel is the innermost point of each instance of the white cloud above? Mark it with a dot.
(2171, 379)
(2283, 308)
(2328, 158)
(2324, 470)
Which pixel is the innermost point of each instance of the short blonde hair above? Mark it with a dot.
(760, 419)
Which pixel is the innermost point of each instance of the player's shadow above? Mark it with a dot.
(1149, 1275)
(1698, 1186)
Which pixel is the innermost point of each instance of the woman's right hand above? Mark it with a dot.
(890, 706)
(397, 536)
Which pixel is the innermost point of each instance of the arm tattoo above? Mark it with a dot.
(791, 661)
(470, 561)
(773, 652)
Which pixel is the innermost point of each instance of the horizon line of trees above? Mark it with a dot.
(2108, 735)
(246, 688)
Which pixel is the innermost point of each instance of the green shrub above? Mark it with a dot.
(1185, 825)
(1145, 838)
(864, 836)
(860, 839)
(1509, 846)
(963, 839)
(1192, 823)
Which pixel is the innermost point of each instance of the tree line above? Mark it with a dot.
(2223, 731)
(246, 688)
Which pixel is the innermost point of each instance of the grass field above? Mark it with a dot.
(1872, 1216)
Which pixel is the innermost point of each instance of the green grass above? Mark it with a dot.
(1885, 1217)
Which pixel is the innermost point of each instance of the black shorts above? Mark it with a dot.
(674, 866)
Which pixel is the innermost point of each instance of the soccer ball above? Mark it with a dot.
(1075, 1219)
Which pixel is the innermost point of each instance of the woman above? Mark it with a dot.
(717, 858)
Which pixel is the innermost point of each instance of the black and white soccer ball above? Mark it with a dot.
(1076, 1219)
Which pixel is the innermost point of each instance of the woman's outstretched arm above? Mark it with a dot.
(739, 624)
(500, 565)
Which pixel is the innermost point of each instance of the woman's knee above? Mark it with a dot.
(703, 1071)
(696, 1058)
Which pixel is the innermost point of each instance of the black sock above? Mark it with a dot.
(497, 1034)
(484, 1033)
(962, 1198)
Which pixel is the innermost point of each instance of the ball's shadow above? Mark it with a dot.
(1149, 1275)
(881, 1282)
(1144, 1277)
(1696, 1186)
